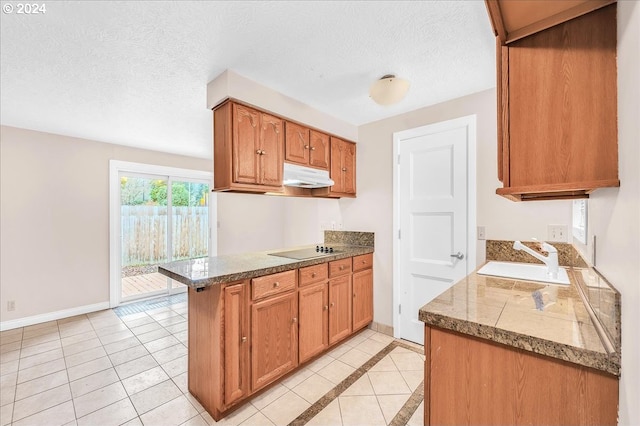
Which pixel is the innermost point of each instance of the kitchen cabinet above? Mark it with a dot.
(245, 335)
(274, 338)
(248, 149)
(343, 168)
(557, 108)
(513, 20)
(362, 291)
(313, 311)
(505, 385)
(236, 343)
(340, 298)
(306, 147)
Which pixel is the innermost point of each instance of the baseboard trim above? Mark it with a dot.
(51, 316)
(381, 328)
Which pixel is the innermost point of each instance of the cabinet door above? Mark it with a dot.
(339, 308)
(362, 298)
(336, 165)
(296, 144)
(319, 150)
(274, 339)
(236, 346)
(314, 320)
(246, 135)
(349, 167)
(271, 150)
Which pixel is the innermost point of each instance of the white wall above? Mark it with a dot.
(372, 210)
(54, 218)
(614, 213)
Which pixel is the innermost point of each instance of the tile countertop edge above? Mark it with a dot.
(599, 361)
(288, 265)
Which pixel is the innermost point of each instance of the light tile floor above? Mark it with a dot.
(103, 369)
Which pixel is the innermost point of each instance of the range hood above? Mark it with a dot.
(305, 177)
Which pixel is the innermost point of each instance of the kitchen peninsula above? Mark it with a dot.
(255, 317)
(505, 351)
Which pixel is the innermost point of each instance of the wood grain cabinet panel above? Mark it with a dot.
(313, 305)
(319, 150)
(339, 267)
(362, 262)
(236, 342)
(274, 339)
(474, 381)
(270, 285)
(296, 143)
(557, 109)
(362, 298)
(248, 149)
(340, 314)
(313, 274)
(343, 167)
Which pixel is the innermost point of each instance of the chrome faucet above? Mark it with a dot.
(551, 260)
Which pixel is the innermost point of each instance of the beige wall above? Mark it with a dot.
(614, 214)
(372, 210)
(54, 218)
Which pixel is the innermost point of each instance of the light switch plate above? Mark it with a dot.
(481, 233)
(557, 233)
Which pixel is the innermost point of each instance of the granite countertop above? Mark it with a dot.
(505, 311)
(206, 271)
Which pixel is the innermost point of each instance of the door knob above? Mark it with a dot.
(458, 256)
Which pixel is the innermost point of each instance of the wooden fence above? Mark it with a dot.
(144, 233)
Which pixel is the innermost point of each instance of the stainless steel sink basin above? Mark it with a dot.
(524, 271)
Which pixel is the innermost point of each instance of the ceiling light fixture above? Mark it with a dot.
(388, 90)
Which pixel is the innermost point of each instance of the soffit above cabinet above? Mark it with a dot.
(513, 20)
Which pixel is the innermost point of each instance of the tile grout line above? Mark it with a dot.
(334, 393)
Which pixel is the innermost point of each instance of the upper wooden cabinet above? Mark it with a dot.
(343, 168)
(306, 147)
(513, 20)
(248, 149)
(557, 109)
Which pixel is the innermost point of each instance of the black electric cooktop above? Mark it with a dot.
(307, 253)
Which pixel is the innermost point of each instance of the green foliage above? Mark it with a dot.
(137, 191)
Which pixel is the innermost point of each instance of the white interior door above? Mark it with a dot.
(433, 216)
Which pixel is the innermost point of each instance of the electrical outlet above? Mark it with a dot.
(11, 305)
(557, 233)
(481, 234)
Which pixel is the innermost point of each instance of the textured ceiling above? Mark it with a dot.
(135, 73)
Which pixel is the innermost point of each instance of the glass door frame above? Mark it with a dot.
(116, 168)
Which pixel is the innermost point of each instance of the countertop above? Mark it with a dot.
(504, 310)
(206, 271)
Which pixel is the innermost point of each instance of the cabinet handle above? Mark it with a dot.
(276, 284)
(313, 275)
(342, 267)
(294, 320)
(344, 169)
(244, 339)
(325, 308)
(306, 147)
(262, 152)
(332, 305)
(313, 148)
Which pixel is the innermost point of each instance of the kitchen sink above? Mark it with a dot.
(524, 271)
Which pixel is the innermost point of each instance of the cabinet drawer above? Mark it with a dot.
(313, 274)
(273, 284)
(339, 267)
(362, 262)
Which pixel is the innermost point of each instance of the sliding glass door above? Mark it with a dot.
(162, 218)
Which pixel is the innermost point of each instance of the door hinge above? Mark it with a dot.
(398, 158)
(399, 234)
(400, 309)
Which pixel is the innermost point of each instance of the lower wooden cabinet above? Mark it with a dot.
(236, 342)
(247, 334)
(362, 298)
(475, 381)
(274, 338)
(313, 308)
(339, 308)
